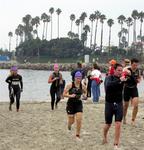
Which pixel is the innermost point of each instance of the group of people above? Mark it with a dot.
(120, 87)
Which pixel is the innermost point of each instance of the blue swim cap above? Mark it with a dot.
(78, 74)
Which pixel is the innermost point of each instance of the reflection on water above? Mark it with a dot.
(36, 87)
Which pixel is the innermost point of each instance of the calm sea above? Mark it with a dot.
(36, 87)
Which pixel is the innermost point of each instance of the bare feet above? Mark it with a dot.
(104, 141)
(124, 120)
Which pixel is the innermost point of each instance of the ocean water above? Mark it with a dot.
(36, 87)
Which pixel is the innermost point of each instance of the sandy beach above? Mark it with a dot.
(36, 127)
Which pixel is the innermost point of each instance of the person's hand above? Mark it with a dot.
(72, 95)
(123, 78)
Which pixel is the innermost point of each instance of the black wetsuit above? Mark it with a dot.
(74, 105)
(55, 89)
(113, 105)
(15, 87)
(130, 88)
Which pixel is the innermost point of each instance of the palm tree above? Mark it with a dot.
(17, 34)
(86, 30)
(102, 18)
(35, 22)
(27, 26)
(135, 17)
(97, 17)
(77, 22)
(51, 11)
(43, 18)
(92, 18)
(110, 22)
(129, 23)
(58, 11)
(21, 32)
(72, 18)
(10, 34)
(121, 20)
(82, 20)
(141, 17)
(47, 21)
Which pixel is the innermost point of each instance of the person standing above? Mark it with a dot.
(15, 87)
(55, 91)
(95, 84)
(131, 90)
(113, 103)
(74, 106)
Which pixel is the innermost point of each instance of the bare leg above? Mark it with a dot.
(117, 132)
(105, 132)
(125, 107)
(135, 109)
(78, 122)
(70, 121)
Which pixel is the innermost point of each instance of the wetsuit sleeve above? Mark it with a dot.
(21, 82)
(8, 79)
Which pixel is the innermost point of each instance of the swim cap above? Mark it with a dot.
(14, 68)
(112, 62)
(78, 74)
(127, 61)
(56, 66)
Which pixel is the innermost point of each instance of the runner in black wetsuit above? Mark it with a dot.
(113, 104)
(74, 107)
(131, 91)
(15, 87)
(55, 78)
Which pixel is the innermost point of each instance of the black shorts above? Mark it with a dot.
(113, 109)
(130, 93)
(74, 106)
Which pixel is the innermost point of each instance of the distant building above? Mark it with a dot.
(4, 58)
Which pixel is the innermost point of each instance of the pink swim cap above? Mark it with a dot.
(14, 68)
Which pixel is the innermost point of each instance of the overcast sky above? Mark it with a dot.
(12, 12)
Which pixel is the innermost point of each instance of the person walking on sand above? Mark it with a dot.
(15, 87)
(55, 78)
(113, 103)
(74, 106)
(131, 91)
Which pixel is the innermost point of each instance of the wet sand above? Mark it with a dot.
(36, 127)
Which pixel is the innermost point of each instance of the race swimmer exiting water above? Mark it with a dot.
(55, 78)
(130, 90)
(74, 106)
(113, 103)
(15, 87)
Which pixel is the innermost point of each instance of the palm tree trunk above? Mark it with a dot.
(51, 26)
(9, 44)
(17, 41)
(101, 37)
(71, 25)
(95, 33)
(141, 31)
(58, 27)
(46, 30)
(78, 31)
(128, 35)
(37, 31)
(109, 39)
(91, 34)
(43, 31)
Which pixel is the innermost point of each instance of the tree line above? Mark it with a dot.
(27, 33)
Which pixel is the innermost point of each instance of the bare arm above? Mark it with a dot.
(84, 90)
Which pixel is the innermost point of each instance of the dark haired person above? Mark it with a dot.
(131, 90)
(78, 68)
(55, 91)
(15, 87)
(113, 103)
(74, 108)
